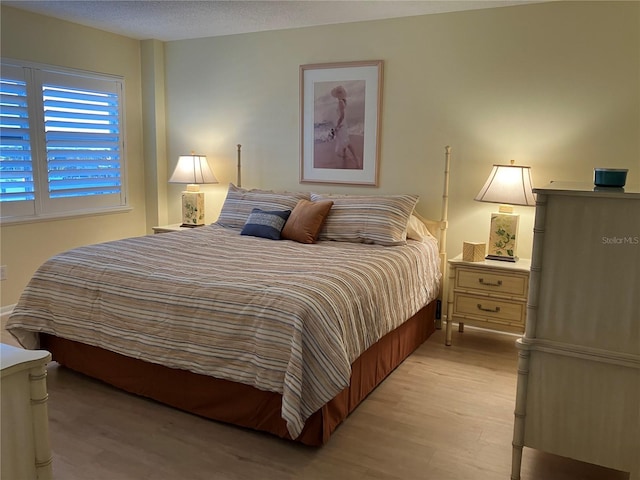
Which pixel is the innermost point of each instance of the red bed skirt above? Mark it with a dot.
(237, 403)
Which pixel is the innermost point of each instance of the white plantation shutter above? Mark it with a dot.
(77, 142)
(16, 170)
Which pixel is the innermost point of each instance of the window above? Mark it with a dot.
(61, 142)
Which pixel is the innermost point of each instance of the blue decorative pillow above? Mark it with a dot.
(265, 224)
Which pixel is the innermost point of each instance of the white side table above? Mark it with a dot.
(488, 294)
(176, 227)
(26, 451)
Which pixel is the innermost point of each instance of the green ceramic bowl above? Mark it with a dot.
(610, 177)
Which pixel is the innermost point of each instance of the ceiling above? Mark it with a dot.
(169, 20)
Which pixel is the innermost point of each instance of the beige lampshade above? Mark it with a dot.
(508, 184)
(193, 169)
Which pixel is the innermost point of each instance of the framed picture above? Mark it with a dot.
(340, 122)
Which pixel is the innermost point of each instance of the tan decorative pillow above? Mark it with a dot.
(306, 220)
(379, 219)
(240, 202)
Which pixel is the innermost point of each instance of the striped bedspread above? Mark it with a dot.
(280, 316)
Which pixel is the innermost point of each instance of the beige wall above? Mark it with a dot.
(154, 132)
(554, 86)
(26, 246)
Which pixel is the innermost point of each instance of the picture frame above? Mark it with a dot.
(340, 120)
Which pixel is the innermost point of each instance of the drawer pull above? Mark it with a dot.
(489, 284)
(492, 310)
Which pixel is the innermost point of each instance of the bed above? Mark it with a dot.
(286, 336)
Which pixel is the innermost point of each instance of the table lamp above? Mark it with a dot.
(507, 185)
(193, 170)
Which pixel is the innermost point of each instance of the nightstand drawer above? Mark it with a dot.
(489, 308)
(493, 282)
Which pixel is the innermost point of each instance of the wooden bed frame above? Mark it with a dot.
(247, 406)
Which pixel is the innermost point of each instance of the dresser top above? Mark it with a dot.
(587, 189)
(13, 359)
(523, 264)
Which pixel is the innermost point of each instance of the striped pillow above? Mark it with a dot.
(379, 219)
(240, 202)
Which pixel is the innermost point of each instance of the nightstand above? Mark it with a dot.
(489, 294)
(170, 228)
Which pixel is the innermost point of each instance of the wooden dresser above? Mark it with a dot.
(578, 392)
(26, 451)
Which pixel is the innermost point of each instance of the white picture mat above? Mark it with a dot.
(310, 75)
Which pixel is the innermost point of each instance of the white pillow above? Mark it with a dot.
(416, 230)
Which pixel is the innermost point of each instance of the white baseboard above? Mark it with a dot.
(482, 329)
(4, 318)
(5, 312)
(7, 309)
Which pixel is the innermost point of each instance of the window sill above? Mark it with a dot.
(5, 221)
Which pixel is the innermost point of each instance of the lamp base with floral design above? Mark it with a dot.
(503, 235)
(192, 207)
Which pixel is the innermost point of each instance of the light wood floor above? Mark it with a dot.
(445, 414)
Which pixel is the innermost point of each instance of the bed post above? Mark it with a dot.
(443, 236)
(239, 175)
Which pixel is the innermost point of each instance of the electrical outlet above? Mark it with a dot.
(3, 272)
